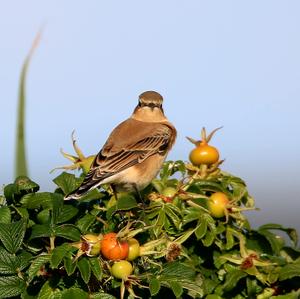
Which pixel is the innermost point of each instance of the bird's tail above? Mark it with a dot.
(86, 186)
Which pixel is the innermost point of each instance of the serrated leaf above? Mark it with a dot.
(176, 288)
(177, 270)
(85, 269)
(102, 296)
(11, 286)
(229, 239)
(10, 191)
(68, 231)
(85, 222)
(47, 292)
(37, 264)
(291, 232)
(59, 253)
(290, 270)
(159, 223)
(5, 216)
(67, 182)
(209, 238)
(232, 279)
(292, 295)
(24, 260)
(40, 231)
(57, 205)
(74, 293)
(126, 202)
(38, 200)
(8, 262)
(195, 288)
(191, 214)
(96, 267)
(26, 185)
(67, 212)
(22, 212)
(173, 213)
(12, 235)
(154, 286)
(274, 242)
(201, 228)
(70, 264)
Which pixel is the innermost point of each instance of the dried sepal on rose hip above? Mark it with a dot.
(90, 245)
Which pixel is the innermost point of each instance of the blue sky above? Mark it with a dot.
(217, 63)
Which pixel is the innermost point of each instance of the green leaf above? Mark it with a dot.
(291, 232)
(191, 214)
(84, 269)
(201, 228)
(22, 212)
(24, 260)
(158, 185)
(11, 286)
(57, 206)
(96, 267)
(45, 200)
(10, 191)
(74, 293)
(173, 213)
(12, 235)
(92, 195)
(70, 264)
(209, 238)
(68, 231)
(5, 215)
(8, 262)
(67, 212)
(194, 287)
(47, 292)
(154, 286)
(126, 201)
(101, 296)
(66, 182)
(232, 279)
(59, 253)
(292, 295)
(37, 264)
(213, 296)
(229, 239)
(290, 270)
(40, 231)
(176, 288)
(177, 270)
(85, 222)
(159, 222)
(274, 242)
(25, 185)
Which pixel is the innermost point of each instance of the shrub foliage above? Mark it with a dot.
(185, 252)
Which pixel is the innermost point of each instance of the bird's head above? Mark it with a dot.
(149, 107)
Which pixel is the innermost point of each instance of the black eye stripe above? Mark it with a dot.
(151, 105)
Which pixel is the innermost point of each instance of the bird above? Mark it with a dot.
(134, 151)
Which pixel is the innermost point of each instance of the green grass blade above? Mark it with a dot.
(20, 154)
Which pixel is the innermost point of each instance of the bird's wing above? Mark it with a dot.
(123, 150)
(113, 159)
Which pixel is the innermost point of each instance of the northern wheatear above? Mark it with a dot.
(134, 151)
